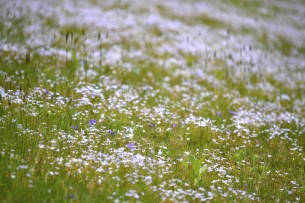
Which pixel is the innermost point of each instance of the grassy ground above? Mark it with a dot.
(174, 101)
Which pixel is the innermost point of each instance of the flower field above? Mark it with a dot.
(152, 101)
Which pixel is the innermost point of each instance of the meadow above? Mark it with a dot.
(152, 101)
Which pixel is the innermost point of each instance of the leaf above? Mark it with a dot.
(196, 181)
(196, 164)
(202, 170)
(192, 158)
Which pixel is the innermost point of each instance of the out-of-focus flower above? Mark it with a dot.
(92, 122)
(74, 127)
(131, 146)
(111, 132)
(70, 196)
(219, 114)
(232, 113)
(45, 91)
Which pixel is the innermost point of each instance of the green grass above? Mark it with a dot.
(214, 127)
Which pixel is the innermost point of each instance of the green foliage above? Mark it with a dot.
(196, 169)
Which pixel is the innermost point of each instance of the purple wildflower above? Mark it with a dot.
(45, 91)
(111, 132)
(219, 114)
(74, 127)
(232, 113)
(92, 122)
(174, 125)
(131, 146)
(152, 125)
(70, 196)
